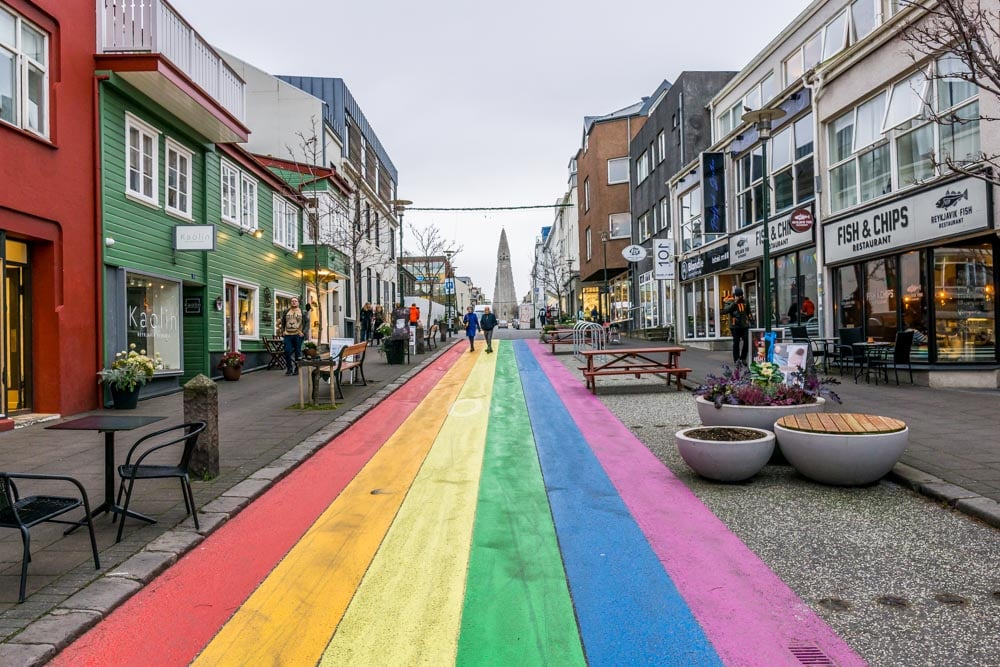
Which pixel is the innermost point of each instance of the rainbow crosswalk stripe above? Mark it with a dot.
(491, 511)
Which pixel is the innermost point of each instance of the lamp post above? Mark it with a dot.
(448, 272)
(763, 120)
(569, 288)
(399, 207)
(607, 295)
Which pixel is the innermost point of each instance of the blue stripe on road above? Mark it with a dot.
(628, 609)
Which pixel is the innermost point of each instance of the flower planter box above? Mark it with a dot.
(754, 416)
(844, 449)
(724, 460)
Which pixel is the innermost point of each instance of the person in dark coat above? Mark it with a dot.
(740, 319)
(488, 323)
(471, 323)
(366, 321)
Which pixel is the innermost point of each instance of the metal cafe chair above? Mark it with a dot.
(898, 355)
(130, 472)
(850, 355)
(23, 513)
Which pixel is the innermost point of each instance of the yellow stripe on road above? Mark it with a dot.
(291, 616)
(408, 609)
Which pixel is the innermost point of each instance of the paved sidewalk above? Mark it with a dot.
(954, 451)
(263, 435)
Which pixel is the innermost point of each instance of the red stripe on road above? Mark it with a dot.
(180, 611)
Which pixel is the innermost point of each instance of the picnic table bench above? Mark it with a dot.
(563, 336)
(633, 361)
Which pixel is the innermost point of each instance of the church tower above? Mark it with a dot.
(504, 301)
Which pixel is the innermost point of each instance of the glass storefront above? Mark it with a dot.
(153, 318)
(648, 301)
(796, 290)
(889, 294)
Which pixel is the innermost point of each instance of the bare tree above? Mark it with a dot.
(552, 272)
(969, 32)
(346, 225)
(430, 257)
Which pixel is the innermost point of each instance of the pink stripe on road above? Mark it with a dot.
(748, 613)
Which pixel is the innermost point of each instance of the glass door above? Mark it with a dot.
(15, 307)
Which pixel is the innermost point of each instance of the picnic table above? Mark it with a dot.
(633, 361)
(563, 336)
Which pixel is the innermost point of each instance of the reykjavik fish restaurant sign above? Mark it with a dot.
(957, 208)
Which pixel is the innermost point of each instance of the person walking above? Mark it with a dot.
(292, 321)
(471, 323)
(366, 321)
(740, 320)
(378, 319)
(488, 323)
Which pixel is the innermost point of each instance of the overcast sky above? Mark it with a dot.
(482, 104)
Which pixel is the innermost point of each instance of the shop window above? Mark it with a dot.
(965, 303)
(152, 318)
(648, 301)
(282, 302)
(913, 296)
(246, 312)
(848, 303)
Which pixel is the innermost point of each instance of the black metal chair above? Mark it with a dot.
(130, 472)
(848, 354)
(899, 354)
(23, 513)
(799, 334)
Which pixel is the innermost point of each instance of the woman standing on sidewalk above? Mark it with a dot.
(471, 322)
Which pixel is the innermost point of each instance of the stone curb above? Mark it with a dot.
(42, 639)
(963, 500)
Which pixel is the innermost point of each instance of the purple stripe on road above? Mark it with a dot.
(746, 611)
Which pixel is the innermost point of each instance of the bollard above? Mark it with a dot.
(201, 403)
(420, 339)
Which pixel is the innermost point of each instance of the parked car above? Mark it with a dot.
(503, 324)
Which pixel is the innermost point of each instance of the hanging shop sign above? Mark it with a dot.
(787, 232)
(950, 210)
(634, 253)
(194, 237)
(705, 263)
(663, 259)
(713, 192)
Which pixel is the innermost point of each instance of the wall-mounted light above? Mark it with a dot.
(259, 234)
(299, 255)
(109, 241)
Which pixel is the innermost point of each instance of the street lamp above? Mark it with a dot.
(762, 120)
(399, 207)
(607, 295)
(569, 288)
(448, 270)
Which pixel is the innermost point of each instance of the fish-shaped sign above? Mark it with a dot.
(951, 198)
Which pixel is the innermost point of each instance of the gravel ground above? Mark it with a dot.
(902, 579)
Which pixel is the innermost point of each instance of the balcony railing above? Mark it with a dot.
(153, 26)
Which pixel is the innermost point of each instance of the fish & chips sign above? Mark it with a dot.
(950, 210)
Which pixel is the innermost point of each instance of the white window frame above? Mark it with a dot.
(642, 167)
(23, 64)
(646, 224)
(144, 130)
(230, 205)
(664, 217)
(618, 161)
(248, 203)
(285, 224)
(586, 194)
(226, 281)
(618, 220)
(690, 216)
(590, 243)
(184, 176)
(661, 146)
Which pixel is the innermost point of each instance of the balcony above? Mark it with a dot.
(153, 48)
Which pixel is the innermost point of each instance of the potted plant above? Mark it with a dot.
(725, 453)
(309, 349)
(231, 365)
(759, 395)
(128, 373)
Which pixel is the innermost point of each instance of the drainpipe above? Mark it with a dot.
(815, 87)
(99, 228)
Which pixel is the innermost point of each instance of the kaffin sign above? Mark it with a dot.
(957, 208)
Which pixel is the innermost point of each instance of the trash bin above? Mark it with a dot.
(394, 353)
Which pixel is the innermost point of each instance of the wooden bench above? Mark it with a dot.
(275, 346)
(633, 361)
(841, 448)
(430, 337)
(350, 358)
(841, 422)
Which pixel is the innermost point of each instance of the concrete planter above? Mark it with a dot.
(842, 459)
(753, 416)
(724, 461)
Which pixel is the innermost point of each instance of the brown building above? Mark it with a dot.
(605, 211)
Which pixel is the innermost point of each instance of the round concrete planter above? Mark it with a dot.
(724, 461)
(842, 459)
(753, 416)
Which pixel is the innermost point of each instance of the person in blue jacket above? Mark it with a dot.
(488, 324)
(471, 322)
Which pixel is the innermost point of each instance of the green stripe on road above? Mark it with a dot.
(517, 605)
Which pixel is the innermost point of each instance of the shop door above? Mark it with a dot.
(16, 357)
(750, 292)
(232, 318)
